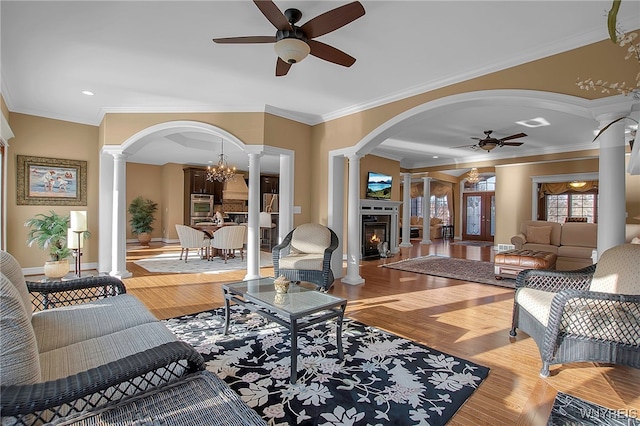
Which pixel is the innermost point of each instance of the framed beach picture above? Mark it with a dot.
(51, 181)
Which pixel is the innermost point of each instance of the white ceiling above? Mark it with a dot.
(151, 56)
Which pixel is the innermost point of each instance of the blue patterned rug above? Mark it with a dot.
(569, 410)
(384, 379)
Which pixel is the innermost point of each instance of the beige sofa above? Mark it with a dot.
(435, 226)
(572, 242)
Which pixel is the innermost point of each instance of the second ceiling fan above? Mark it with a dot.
(488, 142)
(293, 43)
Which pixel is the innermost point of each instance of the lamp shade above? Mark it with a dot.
(79, 220)
(72, 239)
(292, 50)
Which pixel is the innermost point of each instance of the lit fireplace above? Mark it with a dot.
(373, 234)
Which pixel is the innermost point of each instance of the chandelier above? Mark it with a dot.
(473, 176)
(221, 171)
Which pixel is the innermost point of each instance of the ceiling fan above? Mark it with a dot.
(293, 43)
(488, 143)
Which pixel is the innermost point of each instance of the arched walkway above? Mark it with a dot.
(545, 100)
(112, 205)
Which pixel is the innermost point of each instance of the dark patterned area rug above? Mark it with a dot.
(450, 267)
(473, 243)
(383, 379)
(570, 410)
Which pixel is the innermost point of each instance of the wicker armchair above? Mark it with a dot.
(591, 314)
(305, 255)
(43, 352)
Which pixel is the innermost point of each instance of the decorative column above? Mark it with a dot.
(611, 176)
(426, 210)
(119, 217)
(354, 239)
(335, 214)
(406, 210)
(253, 218)
(285, 196)
(105, 210)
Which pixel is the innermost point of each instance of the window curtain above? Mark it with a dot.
(562, 187)
(438, 189)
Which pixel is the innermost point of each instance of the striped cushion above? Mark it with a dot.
(55, 328)
(72, 359)
(11, 269)
(18, 349)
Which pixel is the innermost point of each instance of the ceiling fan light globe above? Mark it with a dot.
(292, 50)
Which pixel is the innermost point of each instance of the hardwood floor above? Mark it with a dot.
(465, 319)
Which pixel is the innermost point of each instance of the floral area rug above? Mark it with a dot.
(570, 410)
(383, 379)
(170, 262)
(449, 267)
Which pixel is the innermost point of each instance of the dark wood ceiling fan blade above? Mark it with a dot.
(273, 14)
(333, 19)
(248, 39)
(330, 53)
(282, 67)
(516, 136)
(511, 143)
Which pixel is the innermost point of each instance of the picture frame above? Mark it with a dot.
(45, 181)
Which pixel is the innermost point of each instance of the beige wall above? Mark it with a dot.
(43, 137)
(172, 203)
(287, 134)
(146, 180)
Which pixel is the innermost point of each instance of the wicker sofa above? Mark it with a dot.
(572, 242)
(74, 345)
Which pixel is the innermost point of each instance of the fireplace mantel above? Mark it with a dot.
(384, 208)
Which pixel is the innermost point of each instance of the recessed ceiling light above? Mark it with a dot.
(88, 93)
(435, 156)
(534, 122)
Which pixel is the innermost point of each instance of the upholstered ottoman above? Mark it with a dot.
(509, 263)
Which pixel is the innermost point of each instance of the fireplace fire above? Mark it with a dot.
(374, 233)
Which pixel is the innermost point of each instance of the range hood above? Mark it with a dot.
(236, 189)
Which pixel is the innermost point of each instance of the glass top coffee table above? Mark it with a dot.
(294, 309)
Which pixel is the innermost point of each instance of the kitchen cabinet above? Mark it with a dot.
(195, 182)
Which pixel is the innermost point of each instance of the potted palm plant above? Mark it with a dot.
(142, 211)
(49, 233)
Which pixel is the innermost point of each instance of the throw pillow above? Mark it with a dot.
(539, 234)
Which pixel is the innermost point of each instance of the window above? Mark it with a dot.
(416, 206)
(439, 207)
(487, 183)
(570, 204)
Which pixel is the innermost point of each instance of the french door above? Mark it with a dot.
(479, 216)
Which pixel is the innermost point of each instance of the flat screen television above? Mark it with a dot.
(378, 186)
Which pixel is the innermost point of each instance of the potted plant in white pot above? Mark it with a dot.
(49, 233)
(142, 211)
